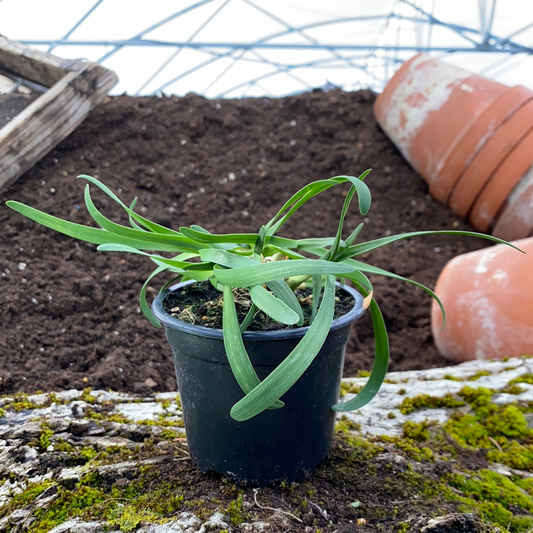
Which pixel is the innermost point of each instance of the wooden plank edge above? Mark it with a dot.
(47, 121)
(31, 64)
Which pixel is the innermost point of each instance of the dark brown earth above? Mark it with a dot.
(69, 315)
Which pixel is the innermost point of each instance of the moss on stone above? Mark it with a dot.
(426, 401)
(479, 374)
(492, 496)
(450, 377)
(524, 378)
(349, 388)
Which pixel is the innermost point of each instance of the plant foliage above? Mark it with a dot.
(254, 261)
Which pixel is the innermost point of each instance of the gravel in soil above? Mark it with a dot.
(69, 316)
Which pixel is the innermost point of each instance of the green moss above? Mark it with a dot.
(20, 402)
(426, 401)
(363, 374)
(349, 388)
(391, 415)
(86, 396)
(2, 412)
(449, 377)
(402, 527)
(26, 497)
(524, 378)
(345, 424)
(416, 431)
(236, 511)
(493, 497)
(479, 374)
(44, 438)
(163, 422)
(476, 396)
(410, 447)
(513, 389)
(127, 518)
(88, 452)
(165, 404)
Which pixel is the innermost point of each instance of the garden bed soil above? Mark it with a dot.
(69, 316)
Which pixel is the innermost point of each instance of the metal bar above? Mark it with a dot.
(457, 29)
(486, 15)
(166, 20)
(75, 27)
(174, 55)
(279, 46)
(292, 29)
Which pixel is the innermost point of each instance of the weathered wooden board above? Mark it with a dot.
(75, 88)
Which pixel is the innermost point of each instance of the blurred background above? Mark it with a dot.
(236, 48)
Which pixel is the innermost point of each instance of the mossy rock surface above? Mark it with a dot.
(101, 461)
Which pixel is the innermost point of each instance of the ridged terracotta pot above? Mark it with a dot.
(486, 162)
(501, 184)
(428, 109)
(465, 134)
(488, 299)
(516, 218)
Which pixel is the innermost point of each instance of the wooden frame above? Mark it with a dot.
(74, 88)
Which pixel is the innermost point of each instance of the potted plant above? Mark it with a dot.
(258, 405)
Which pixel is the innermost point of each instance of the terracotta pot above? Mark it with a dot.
(488, 298)
(502, 183)
(429, 104)
(486, 161)
(516, 220)
(470, 148)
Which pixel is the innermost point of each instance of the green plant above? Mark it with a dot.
(255, 261)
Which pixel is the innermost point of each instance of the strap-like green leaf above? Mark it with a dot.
(85, 233)
(238, 359)
(278, 287)
(317, 294)
(225, 258)
(360, 279)
(145, 307)
(151, 226)
(333, 251)
(379, 369)
(363, 267)
(265, 272)
(364, 247)
(272, 306)
(296, 201)
(181, 243)
(363, 192)
(355, 233)
(283, 377)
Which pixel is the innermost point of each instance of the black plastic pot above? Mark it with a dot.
(282, 444)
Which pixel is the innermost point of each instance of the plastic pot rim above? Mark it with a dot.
(169, 321)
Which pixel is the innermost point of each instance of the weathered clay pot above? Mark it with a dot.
(489, 157)
(488, 299)
(429, 106)
(468, 136)
(516, 219)
(502, 183)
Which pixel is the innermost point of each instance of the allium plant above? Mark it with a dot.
(258, 262)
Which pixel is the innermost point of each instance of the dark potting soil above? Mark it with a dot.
(201, 304)
(69, 316)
